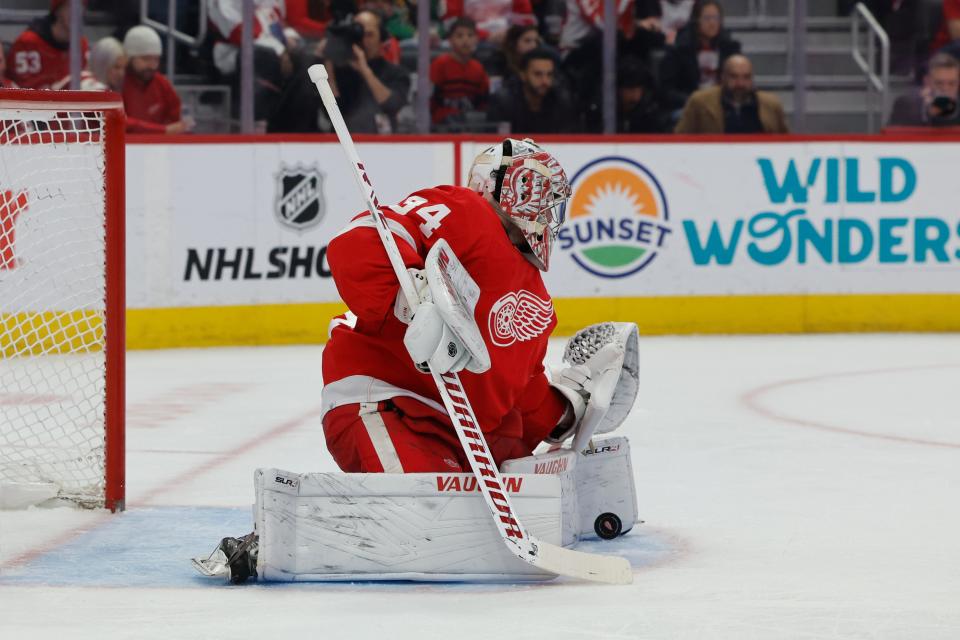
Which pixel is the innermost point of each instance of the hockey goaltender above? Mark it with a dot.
(407, 505)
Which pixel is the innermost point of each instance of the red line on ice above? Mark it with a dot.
(227, 456)
(179, 480)
(751, 400)
(62, 539)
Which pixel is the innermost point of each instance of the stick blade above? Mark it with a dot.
(586, 566)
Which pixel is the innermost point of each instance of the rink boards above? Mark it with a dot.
(226, 237)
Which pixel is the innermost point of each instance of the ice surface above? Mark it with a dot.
(791, 487)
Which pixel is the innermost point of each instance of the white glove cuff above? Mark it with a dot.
(400, 307)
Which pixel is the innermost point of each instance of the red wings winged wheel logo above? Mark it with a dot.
(519, 316)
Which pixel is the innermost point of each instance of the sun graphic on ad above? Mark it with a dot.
(617, 215)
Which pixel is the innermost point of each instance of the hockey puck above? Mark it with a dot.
(608, 525)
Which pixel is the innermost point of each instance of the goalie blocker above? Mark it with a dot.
(435, 526)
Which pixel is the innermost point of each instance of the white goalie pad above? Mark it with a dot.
(560, 463)
(606, 489)
(456, 294)
(599, 490)
(418, 526)
(610, 351)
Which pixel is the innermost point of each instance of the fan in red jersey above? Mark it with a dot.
(381, 412)
(40, 56)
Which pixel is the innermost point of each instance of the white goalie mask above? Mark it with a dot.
(531, 189)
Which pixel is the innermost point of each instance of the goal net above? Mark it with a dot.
(61, 298)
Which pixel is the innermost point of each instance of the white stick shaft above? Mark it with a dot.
(460, 411)
(318, 74)
(527, 548)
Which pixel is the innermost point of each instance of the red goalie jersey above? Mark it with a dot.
(366, 363)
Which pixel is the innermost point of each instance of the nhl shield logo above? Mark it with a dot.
(299, 200)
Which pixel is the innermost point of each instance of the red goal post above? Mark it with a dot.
(62, 298)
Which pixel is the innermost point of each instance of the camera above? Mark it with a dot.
(946, 105)
(340, 40)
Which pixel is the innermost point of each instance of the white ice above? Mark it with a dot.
(791, 487)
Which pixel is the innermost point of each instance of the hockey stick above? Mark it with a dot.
(549, 557)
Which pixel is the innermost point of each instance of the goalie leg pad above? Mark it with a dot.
(417, 526)
(561, 463)
(606, 489)
(599, 491)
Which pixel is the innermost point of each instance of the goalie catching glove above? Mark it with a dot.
(442, 335)
(600, 381)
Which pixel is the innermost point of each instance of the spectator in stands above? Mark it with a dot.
(275, 24)
(674, 14)
(935, 104)
(40, 56)
(637, 108)
(387, 10)
(520, 40)
(638, 36)
(149, 99)
(647, 34)
(397, 17)
(949, 34)
(108, 67)
(532, 103)
(551, 16)
(735, 106)
(308, 18)
(585, 21)
(697, 56)
(370, 90)
(459, 82)
(493, 17)
(278, 29)
(4, 83)
(226, 17)
(647, 15)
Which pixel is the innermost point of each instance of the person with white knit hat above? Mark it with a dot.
(151, 103)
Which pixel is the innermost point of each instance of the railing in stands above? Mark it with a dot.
(878, 86)
(797, 60)
(758, 11)
(170, 30)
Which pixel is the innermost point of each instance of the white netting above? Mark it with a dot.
(52, 291)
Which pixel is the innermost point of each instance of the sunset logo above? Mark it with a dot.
(617, 218)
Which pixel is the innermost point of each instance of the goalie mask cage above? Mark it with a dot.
(62, 296)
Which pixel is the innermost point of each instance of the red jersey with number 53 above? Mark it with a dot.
(34, 62)
(366, 361)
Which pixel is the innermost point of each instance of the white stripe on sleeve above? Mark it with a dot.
(394, 226)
